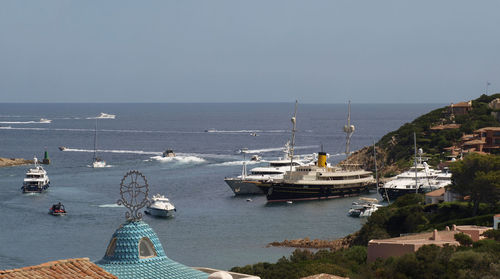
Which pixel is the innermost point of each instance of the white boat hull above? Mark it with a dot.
(243, 187)
(160, 212)
(99, 164)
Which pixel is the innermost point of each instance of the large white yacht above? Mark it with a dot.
(36, 180)
(248, 184)
(418, 179)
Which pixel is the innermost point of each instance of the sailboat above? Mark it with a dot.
(96, 161)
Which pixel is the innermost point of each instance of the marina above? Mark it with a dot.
(193, 180)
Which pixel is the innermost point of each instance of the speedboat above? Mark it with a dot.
(96, 161)
(62, 148)
(168, 153)
(364, 208)
(57, 209)
(36, 180)
(160, 206)
(210, 130)
(45, 120)
(106, 116)
(255, 157)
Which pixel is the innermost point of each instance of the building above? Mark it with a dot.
(496, 222)
(461, 108)
(491, 138)
(435, 196)
(399, 246)
(68, 269)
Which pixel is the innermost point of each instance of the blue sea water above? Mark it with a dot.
(212, 227)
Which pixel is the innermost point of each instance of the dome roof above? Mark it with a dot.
(136, 252)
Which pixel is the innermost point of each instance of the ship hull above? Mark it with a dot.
(244, 187)
(279, 192)
(34, 188)
(395, 193)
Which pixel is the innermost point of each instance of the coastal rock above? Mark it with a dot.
(9, 162)
(333, 245)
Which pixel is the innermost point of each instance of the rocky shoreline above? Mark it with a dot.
(333, 245)
(9, 162)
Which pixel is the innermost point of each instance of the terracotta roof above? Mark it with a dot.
(446, 126)
(436, 193)
(68, 269)
(485, 129)
(324, 276)
(462, 104)
(474, 142)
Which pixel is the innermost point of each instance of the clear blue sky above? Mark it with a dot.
(248, 51)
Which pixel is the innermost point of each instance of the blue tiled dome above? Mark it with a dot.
(122, 258)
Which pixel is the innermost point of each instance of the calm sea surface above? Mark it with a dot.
(211, 227)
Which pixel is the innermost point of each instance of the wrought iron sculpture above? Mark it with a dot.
(134, 191)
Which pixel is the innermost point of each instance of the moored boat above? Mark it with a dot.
(364, 208)
(36, 180)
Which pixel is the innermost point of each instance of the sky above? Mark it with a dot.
(248, 51)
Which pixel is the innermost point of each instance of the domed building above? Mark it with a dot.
(135, 251)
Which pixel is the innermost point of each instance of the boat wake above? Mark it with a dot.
(106, 166)
(179, 159)
(238, 163)
(41, 121)
(111, 205)
(264, 150)
(112, 151)
(244, 131)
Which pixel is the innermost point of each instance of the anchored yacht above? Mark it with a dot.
(160, 206)
(249, 184)
(36, 180)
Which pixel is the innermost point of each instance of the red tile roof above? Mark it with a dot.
(436, 193)
(67, 269)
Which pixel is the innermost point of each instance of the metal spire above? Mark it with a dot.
(348, 129)
(294, 122)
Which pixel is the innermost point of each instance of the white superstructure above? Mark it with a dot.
(36, 179)
(160, 206)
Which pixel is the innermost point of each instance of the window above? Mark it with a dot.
(146, 248)
(110, 252)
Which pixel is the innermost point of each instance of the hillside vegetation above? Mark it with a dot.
(395, 150)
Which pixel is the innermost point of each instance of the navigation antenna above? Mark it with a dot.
(348, 129)
(294, 122)
(416, 177)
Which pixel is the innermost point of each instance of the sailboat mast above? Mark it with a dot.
(95, 140)
(416, 178)
(294, 122)
(348, 129)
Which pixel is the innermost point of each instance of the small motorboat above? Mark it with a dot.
(168, 153)
(364, 208)
(255, 158)
(210, 130)
(253, 134)
(57, 209)
(103, 115)
(45, 120)
(160, 206)
(62, 148)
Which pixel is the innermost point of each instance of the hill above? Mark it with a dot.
(395, 149)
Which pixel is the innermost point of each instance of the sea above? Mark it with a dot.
(212, 227)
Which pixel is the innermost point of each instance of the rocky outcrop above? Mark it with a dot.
(333, 245)
(8, 162)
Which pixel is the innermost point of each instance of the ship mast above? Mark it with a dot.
(348, 129)
(294, 122)
(415, 143)
(95, 140)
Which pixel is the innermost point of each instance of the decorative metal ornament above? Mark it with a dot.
(134, 191)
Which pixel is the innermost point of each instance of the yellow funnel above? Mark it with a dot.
(322, 159)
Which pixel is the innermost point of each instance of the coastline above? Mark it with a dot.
(10, 162)
(333, 245)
